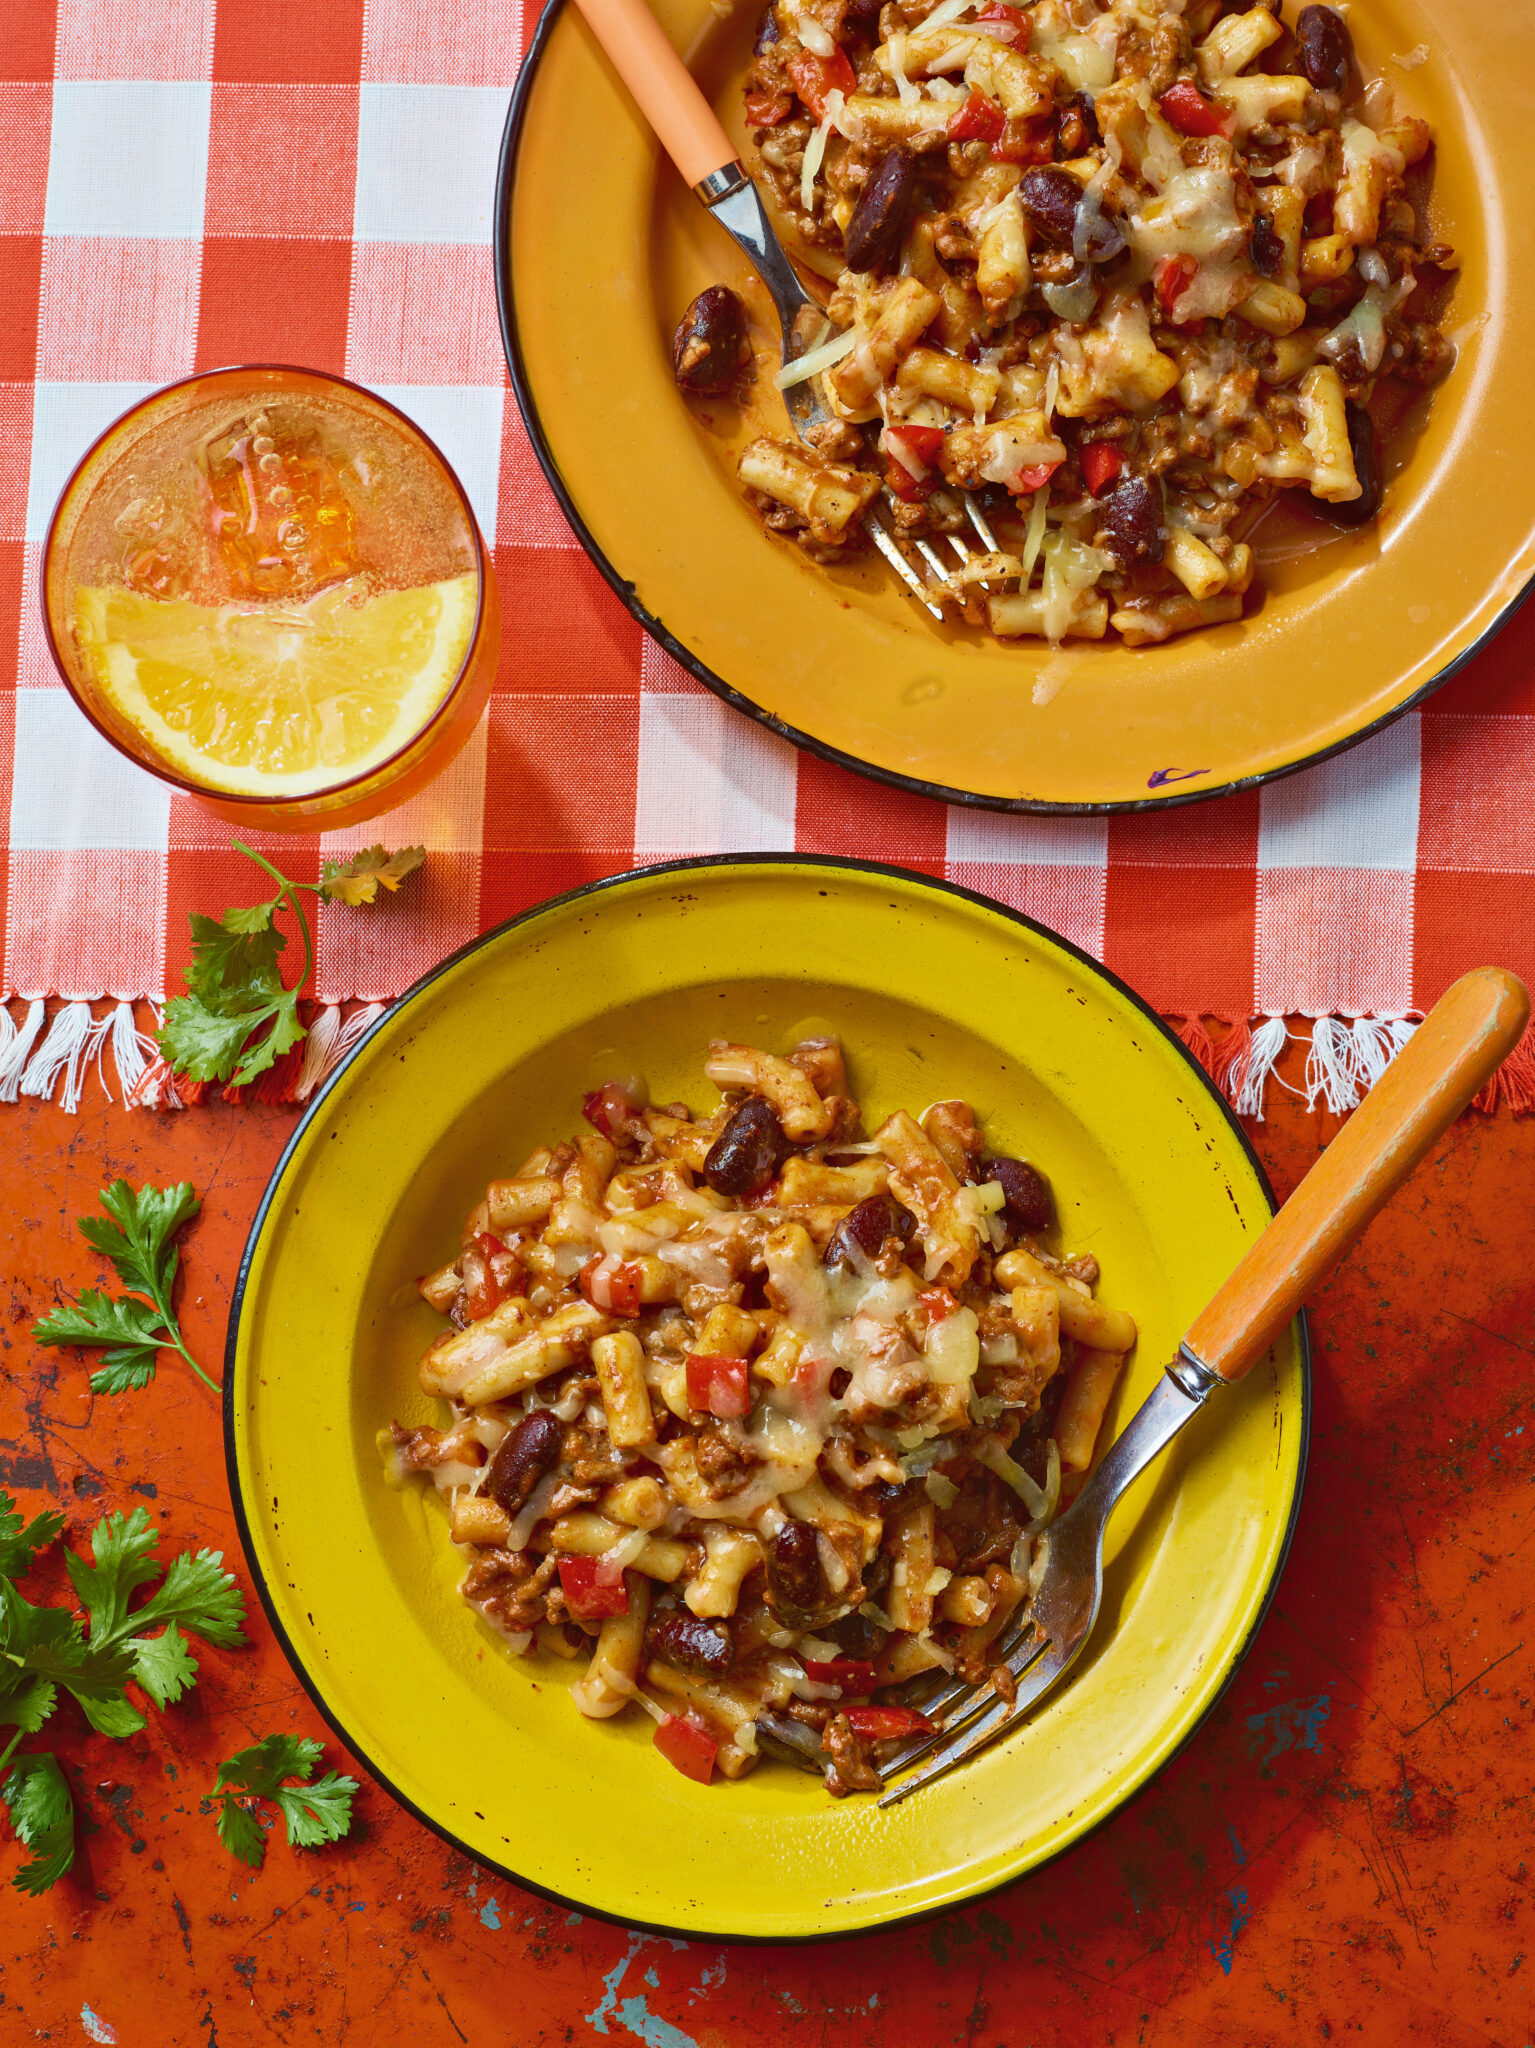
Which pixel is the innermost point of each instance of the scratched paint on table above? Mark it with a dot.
(1297, 1876)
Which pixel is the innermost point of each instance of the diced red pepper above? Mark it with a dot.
(883, 1724)
(687, 1746)
(767, 109)
(999, 16)
(1025, 139)
(853, 1674)
(899, 479)
(1172, 278)
(718, 1386)
(938, 1302)
(979, 120)
(816, 78)
(1100, 462)
(1034, 478)
(587, 1597)
(614, 1289)
(924, 445)
(1185, 108)
(607, 1109)
(483, 1290)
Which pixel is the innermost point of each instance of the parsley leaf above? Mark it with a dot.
(43, 1816)
(357, 880)
(241, 1832)
(234, 990)
(19, 1545)
(237, 1017)
(44, 1648)
(136, 1236)
(197, 1594)
(317, 1813)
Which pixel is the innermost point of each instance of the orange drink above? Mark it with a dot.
(266, 586)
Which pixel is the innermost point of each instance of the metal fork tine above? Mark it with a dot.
(979, 1730)
(908, 575)
(976, 1702)
(979, 521)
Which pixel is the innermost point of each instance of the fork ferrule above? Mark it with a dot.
(720, 184)
(1189, 1372)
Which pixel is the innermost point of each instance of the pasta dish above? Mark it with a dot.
(758, 1416)
(1120, 273)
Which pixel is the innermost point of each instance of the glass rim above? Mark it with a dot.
(483, 569)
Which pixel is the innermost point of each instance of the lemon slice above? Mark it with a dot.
(278, 699)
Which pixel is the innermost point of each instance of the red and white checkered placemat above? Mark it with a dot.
(186, 183)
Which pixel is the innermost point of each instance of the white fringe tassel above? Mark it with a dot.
(61, 1056)
(132, 1049)
(1249, 1076)
(13, 1062)
(1349, 1055)
(319, 1052)
(1345, 1059)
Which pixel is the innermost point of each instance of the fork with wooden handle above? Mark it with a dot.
(1458, 1046)
(689, 130)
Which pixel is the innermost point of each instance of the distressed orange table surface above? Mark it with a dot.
(1342, 1853)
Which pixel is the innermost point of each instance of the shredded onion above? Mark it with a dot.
(813, 36)
(991, 1454)
(940, 1491)
(1074, 302)
(814, 360)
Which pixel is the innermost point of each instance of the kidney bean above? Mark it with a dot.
(706, 1648)
(1076, 127)
(709, 346)
(861, 18)
(1324, 49)
(1027, 1192)
(1267, 249)
(867, 1227)
(857, 1636)
(523, 1457)
(795, 1590)
(767, 29)
(874, 234)
(1132, 519)
(1361, 440)
(748, 1152)
(1050, 198)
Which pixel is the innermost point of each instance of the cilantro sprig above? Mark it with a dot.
(136, 1237)
(238, 1016)
(317, 1813)
(45, 1650)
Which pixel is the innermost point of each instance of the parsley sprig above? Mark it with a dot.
(46, 1649)
(136, 1237)
(321, 1812)
(238, 1017)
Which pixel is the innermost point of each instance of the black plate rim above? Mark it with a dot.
(832, 863)
(807, 742)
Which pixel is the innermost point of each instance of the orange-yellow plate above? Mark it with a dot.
(935, 992)
(600, 247)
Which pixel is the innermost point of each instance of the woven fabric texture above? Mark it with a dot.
(188, 183)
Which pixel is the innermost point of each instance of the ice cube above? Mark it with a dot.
(281, 521)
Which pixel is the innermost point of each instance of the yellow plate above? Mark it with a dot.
(600, 247)
(935, 992)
